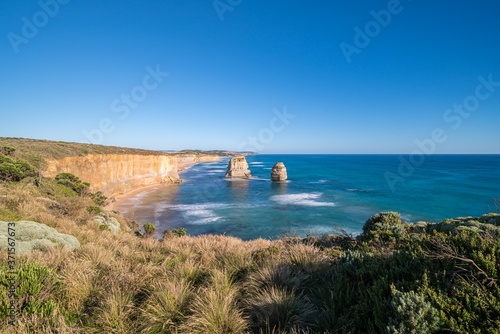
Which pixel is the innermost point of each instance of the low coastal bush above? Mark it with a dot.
(99, 198)
(7, 150)
(12, 169)
(414, 314)
(81, 188)
(36, 288)
(176, 232)
(73, 182)
(149, 230)
(94, 209)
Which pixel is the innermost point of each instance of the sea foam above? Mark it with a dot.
(198, 214)
(303, 199)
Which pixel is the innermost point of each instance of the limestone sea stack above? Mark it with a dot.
(278, 173)
(238, 168)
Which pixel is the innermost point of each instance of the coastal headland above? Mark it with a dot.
(117, 172)
(72, 266)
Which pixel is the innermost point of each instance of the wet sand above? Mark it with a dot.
(122, 197)
(125, 196)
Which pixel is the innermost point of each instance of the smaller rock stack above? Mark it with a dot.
(278, 173)
(238, 168)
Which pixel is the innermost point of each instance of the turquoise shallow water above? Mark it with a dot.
(324, 193)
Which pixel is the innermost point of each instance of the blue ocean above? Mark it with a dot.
(323, 194)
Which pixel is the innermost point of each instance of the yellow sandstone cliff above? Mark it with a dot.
(115, 174)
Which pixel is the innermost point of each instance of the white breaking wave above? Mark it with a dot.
(198, 214)
(320, 181)
(303, 199)
(204, 221)
(215, 166)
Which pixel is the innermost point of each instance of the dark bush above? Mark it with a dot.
(149, 229)
(73, 182)
(14, 169)
(94, 209)
(385, 227)
(6, 150)
(99, 198)
(176, 232)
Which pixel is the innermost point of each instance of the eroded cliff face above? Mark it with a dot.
(115, 174)
(185, 160)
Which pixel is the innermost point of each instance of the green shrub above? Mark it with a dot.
(176, 232)
(81, 188)
(99, 198)
(6, 150)
(10, 172)
(413, 314)
(385, 226)
(94, 209)
(149, 229)
(36, 288)
(73, 182)
(104, 227)
(14, 169)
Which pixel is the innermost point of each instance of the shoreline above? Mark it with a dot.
(136, 191)
(129, 194)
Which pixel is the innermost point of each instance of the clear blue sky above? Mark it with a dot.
(233, 63)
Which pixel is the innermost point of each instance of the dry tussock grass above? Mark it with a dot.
(120, 283)
(215, 308)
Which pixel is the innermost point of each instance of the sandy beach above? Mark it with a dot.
(136, 191)
(122, 197)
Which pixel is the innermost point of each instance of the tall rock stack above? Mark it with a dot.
(278, 173)
(238, 168)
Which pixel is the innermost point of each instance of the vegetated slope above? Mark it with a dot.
(395, 277)
(111, 170)
(35, 150)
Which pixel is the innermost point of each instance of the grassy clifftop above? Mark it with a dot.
(35, 150)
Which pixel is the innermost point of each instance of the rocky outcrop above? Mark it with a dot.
(104, 221)
(278, 173)
(487, 223)
(32, 236)
(238, 168)
(115, 174)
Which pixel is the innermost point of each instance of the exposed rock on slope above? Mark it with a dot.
(487, 223)
(103, 220)
(32, 236)
(238, 168)
(278, 173)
